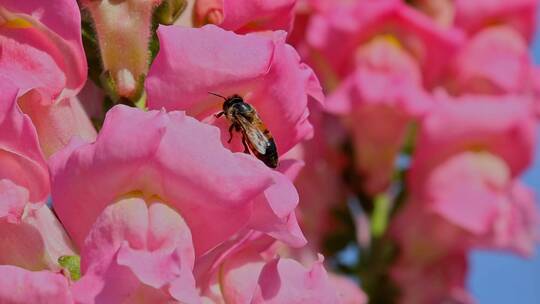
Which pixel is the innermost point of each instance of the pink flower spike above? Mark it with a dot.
(136, 252)
(243, 16)
(19, 286)
(182, 162)
(263, 69)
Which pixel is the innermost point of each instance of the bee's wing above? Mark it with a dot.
(254, 135)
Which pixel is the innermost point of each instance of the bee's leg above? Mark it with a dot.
(218, 115)
(246, 150)
(230, 133)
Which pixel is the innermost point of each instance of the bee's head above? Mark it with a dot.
(231, 100)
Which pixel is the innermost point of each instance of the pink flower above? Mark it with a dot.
(180, 162)
(503, 126)
(45, 41)
(123, 30)
(336, 35)
(19, 286)
(473, 16)
(243, 16)
(42, 55)
(468, 154)
(250, 274)
(136, 252)
(495, 60)
(379, 100)
(262, 69)
(475, 192)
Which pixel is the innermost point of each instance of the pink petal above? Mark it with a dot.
(13, 198)
(33, 240)
(287, 281)
(467, 190)
(517, 225)
(240, 272)
(21, 159)
(30, 68)
(22, 286)
(56, 123)
(56, 242)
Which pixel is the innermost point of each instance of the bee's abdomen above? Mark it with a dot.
(270, 158)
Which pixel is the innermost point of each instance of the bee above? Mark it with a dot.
(255, 136)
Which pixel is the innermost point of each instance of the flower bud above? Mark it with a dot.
(123, 30)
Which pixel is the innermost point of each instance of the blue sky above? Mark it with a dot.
(499, 278)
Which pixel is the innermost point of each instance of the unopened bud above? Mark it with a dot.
(123, 30)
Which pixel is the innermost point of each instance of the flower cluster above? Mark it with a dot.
(141, 205)
(439, 104)
(401, 127)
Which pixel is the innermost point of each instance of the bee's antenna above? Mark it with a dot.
(217, 95)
